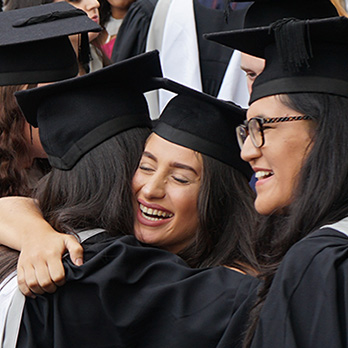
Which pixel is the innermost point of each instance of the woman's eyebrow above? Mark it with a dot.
(183, 166)
(150, 155)
(174, 164)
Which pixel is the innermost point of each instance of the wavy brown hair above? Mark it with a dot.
(14, 150)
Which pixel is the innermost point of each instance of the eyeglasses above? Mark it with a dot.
(255, 128)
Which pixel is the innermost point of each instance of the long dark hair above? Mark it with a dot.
(321, 195)
(104, 12)
(96, 192)
(227, 219)
(15, 155)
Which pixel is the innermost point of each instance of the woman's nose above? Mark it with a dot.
(155, 188)
(249, 151)
(92, 4)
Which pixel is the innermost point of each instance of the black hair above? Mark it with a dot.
(96, 192)
(321, 195)
(104, 12)
(227, 219)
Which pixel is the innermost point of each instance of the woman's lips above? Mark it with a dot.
(151, 220)
(95, 19)
(152, 214)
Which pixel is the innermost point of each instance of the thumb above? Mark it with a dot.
(75, 250)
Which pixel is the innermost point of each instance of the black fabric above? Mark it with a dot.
(34, 43)
(128, 295)
(76, 115)
(297, 53)
(307, 304)
(132, 36)
(213, 58)
(202, 123)
(264, 12)
(17, 68)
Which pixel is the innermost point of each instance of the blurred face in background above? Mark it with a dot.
(91, 7)
(119, 8)
(252, 66)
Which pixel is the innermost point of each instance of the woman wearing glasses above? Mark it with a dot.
(295, 139)
(126, 295)
(281, 163)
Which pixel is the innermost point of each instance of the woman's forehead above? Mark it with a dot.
(271, 106)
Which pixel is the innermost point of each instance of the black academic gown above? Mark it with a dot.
(127, 295)
(307, 306)
(214, 58)
(131, 38)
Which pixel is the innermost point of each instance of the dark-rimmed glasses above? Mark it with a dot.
(255, 128)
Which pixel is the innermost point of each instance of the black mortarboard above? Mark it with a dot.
(34, 43)
(301, 56)
(264, 12)
(202, 123)
(76, 115)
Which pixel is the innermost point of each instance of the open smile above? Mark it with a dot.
(262, 174)
(154, 214)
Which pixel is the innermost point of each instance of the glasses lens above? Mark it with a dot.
(242, 134)
(255, 132)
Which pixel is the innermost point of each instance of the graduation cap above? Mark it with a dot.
(202, 123)
(34, 43)
(76, 115)
(301, 56)
(264, 12)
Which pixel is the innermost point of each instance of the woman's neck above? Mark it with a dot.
(118, 13)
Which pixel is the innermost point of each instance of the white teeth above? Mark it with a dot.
(154, 212)
(263, 174)
(150, 218)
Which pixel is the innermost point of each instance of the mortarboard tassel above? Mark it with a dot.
(293, 43)
(227, 10)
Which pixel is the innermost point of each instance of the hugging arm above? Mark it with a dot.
(23, 228)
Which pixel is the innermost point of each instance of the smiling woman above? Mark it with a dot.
(109, 299)
(191, 191)
(298, 146)
(278, 158)
(191, 188)
(167, 193)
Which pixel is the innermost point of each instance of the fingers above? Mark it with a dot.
(22, 284)
(33, 281)
(75, 250)
(41, 269)
(40, 278)
(40, 273)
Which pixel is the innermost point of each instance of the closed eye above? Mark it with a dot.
(146, 169)
(181, 181)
